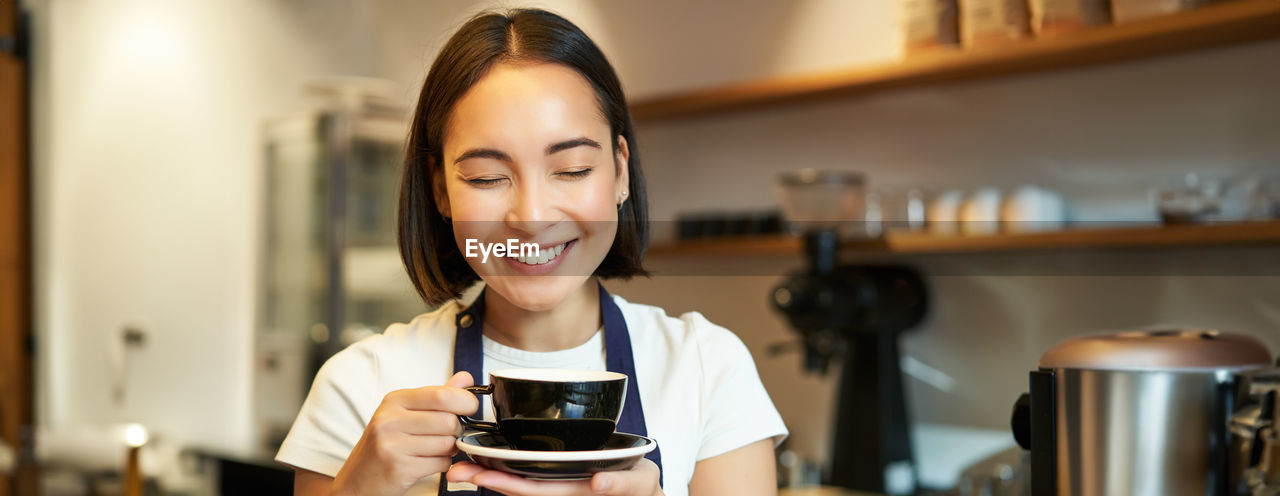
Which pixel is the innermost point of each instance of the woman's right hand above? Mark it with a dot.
(410, 436)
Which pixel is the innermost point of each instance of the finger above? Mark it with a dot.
(463, 472)
(461, 380)
(438, 398)
(411, 468)
(429, 423)
(640, 479)
(514, 485)
(417, 423)
(430, 446)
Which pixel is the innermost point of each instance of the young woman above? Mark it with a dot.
(522, 132)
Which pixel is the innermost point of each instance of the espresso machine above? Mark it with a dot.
(854, 314)
(1152, 412)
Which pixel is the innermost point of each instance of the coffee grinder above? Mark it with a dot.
(853, 313)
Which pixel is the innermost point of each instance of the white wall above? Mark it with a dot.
(147, 117)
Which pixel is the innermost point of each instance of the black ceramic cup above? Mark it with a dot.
(553, 409)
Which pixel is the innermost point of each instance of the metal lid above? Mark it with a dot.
(1158, 350)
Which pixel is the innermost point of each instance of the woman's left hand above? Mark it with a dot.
(640, 480)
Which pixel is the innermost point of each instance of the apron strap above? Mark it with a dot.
(619, 358)
(468, 355)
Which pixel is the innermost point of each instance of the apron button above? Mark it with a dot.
(466, 320)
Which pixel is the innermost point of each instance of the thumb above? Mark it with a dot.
(641, 479)
(460, 380)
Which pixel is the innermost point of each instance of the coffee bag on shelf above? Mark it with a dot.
(1050, 17)
(1134, 10)
(929, 25)
(993, 22)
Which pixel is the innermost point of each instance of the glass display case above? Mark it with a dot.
(330, 270)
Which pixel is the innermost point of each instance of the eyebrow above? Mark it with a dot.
(573, 143)
(551, 149)
(483, 153)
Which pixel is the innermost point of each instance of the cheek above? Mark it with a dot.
(600, 210)
(597, 202)
(469, 204)
(474, 216)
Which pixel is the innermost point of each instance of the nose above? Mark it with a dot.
(532, 209)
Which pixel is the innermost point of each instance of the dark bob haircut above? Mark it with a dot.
(427, 246)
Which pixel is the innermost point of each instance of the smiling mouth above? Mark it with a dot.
(544, 256)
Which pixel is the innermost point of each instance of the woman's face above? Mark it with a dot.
(528, 156)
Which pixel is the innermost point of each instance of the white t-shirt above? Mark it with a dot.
(699, 387)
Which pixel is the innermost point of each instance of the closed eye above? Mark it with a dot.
(484, 181)
(575, 174)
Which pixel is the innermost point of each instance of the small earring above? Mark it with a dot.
(624, 193)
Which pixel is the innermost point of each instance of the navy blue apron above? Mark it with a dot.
(468, 355)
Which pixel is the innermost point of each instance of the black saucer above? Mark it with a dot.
(492, 451)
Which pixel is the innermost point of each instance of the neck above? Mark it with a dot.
(571, 323)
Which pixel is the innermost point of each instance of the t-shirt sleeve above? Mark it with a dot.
(736, 409)
(334, 415)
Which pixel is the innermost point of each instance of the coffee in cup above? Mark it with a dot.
(553, 409)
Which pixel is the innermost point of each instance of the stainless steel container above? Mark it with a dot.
(1135, 413)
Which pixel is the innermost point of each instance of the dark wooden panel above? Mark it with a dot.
(16, 392)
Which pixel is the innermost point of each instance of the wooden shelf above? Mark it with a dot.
(1231, 22)
(915, 242)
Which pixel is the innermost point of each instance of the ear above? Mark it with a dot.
(438, 191)
(622, 178)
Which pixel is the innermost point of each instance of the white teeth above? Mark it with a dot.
(544, 256)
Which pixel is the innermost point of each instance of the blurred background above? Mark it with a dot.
(199, 200)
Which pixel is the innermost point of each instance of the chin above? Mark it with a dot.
(536, 293)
